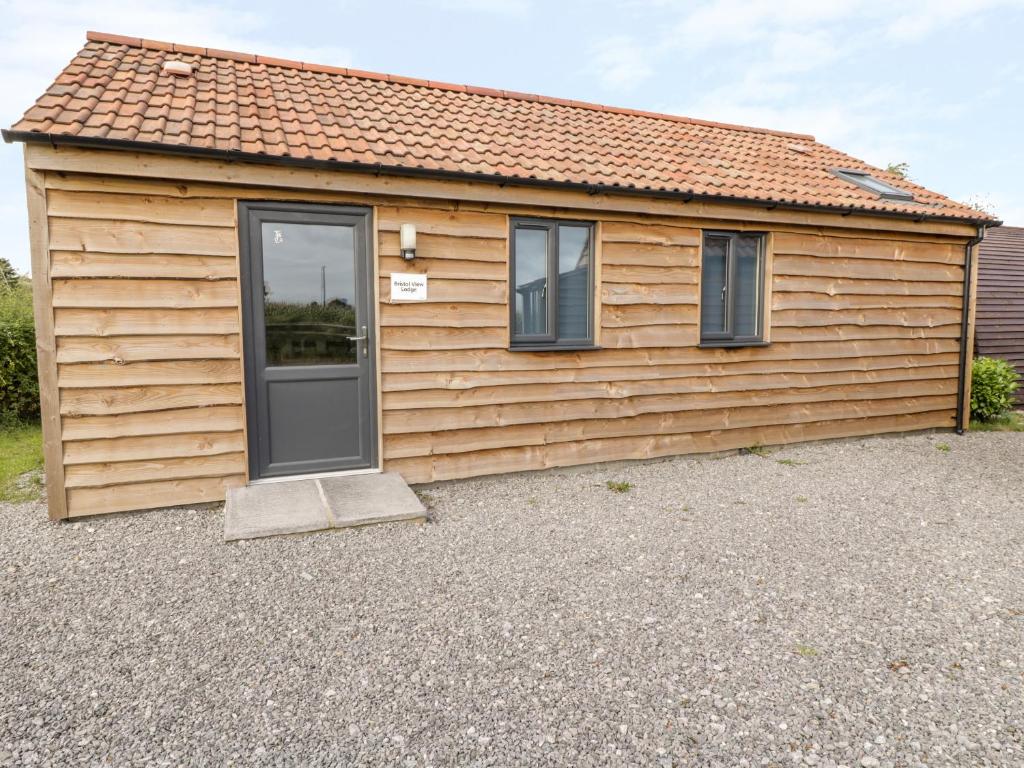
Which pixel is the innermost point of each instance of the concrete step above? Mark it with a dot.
(316, 504)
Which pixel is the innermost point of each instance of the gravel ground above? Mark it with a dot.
(857, 603)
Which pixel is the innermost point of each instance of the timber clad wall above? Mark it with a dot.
(864, 328)
(865, 339)
(145, 296)
(1000, 326)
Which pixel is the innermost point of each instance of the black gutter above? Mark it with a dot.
(56, 140)
(961, 411)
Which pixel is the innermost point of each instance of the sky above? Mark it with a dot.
(937, 84)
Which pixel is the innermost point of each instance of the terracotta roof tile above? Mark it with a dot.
(234, 102)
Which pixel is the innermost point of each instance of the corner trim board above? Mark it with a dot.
(46, 345)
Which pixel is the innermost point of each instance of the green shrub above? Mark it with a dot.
(19, 387)
(993, 383)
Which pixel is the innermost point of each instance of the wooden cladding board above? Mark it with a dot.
(865, 339)
(147, 336)
(148, 347)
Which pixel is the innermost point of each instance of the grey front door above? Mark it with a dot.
(307, 298)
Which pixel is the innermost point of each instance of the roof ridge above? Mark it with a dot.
(159, 45)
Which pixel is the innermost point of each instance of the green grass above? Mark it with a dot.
(21, 451)
(619, 486)
(944, 447)
(1011, 422)
(790, 462)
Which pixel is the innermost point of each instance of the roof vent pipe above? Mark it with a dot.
(177, 68)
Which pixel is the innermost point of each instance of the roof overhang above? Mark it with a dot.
(379, 169)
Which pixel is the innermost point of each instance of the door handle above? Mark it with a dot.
(363, 338)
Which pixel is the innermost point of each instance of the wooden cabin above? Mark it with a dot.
(999, 330)
(247, 268)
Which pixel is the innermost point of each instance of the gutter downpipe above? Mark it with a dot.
(964, 323)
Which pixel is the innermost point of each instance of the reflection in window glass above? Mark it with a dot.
(748, 286)
(531, 282)
(309, 293)
(573, 282)
(713, 279)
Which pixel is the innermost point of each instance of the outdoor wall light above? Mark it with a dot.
(407, 236)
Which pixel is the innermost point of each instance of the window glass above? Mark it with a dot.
(748, 286)
(713, 281)
(552, 280)
(732, 279)
(531, 281)
(573, 282)
(879, 187)
(874, 184)
(309, 293)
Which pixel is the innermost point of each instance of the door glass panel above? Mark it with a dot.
(748, 286)
(712, 292)
(573, 282)
(531, 281)
(309, 293)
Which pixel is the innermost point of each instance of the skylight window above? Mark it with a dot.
(871, 184)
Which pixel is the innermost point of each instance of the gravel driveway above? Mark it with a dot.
(857, 603)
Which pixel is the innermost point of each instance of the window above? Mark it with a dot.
(732, 289)
(552, 280)
(866, 181)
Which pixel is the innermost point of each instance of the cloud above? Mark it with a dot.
(733, 22)
(800, 65)
(499, 7)
(619, 63)
(917, 20)
(1009, 208)
(703, 26)
(792, 52)
(1005, 204)
(793, 36)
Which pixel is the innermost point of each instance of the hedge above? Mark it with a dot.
(19, 385)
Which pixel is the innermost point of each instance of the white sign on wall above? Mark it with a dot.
(408, 287)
